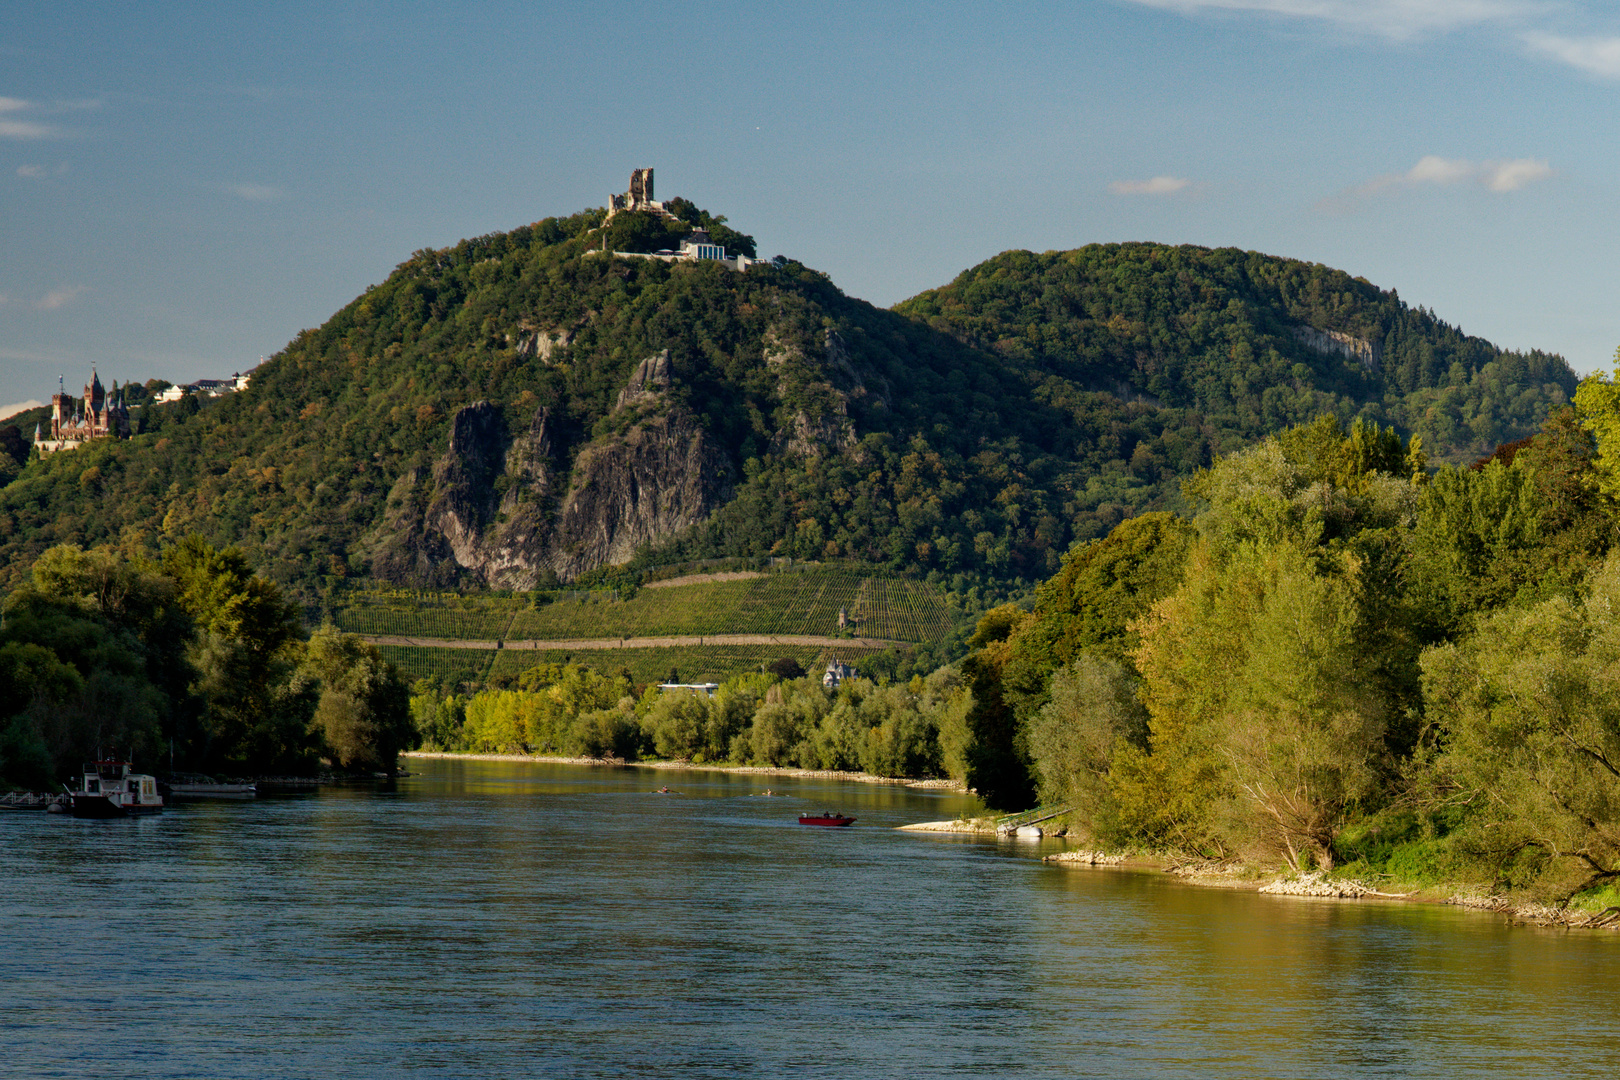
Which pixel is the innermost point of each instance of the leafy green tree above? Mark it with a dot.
(1528, 714)
(1597, 400)
(1093, 708)
(363, 712)
(255, 711)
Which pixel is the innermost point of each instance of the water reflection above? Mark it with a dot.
(514, 919)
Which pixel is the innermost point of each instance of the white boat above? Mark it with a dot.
(109, 789)
(206, 787)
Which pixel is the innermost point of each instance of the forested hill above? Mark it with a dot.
(1224, 333)
(520, 409)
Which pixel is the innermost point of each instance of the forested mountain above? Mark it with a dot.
(520, 409)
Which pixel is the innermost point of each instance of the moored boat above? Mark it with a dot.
(195, 786)
(109, 789)
(826, 817)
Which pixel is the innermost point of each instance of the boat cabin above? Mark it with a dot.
(110, 789)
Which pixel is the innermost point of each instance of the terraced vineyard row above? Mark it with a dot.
(454, 665)
(694, 663)
(779, 603)
(476, 619)
(900, 610)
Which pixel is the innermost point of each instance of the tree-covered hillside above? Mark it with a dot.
(1217, 332)
(664, 412)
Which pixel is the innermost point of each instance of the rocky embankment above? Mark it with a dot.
(1085, 858)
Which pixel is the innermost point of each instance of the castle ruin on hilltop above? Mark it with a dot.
(72, 424)
(697, 245)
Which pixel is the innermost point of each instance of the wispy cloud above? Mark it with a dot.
(255, 192)
(17, 116)
(40, 172)
(1595, 55)
(1158, 185)
(13, 128)
(1535, 24)
(1397, 19)
(57, 298)
(1500, 176)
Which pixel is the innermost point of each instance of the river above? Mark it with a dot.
(496, 919)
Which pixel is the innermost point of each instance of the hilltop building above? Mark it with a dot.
(698, 245)
(639, 197)
(209, 387)
(73, 423)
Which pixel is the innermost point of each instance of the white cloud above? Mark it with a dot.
(40, 172)
(21, 129)
(59, 297)
(1159, 185)
(1595, 55)
(16, 127)
(255, 192)
(1513, 175)
(1500, 176)
(25, 129)
(8, 411)
(1390, 18)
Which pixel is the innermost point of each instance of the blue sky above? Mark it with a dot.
(183, 187)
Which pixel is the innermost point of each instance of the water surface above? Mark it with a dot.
(513, 919)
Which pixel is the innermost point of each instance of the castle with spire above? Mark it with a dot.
(99, 415)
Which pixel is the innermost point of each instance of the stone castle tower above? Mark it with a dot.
(100, 416)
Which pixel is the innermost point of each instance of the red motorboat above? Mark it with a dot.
(826, 818)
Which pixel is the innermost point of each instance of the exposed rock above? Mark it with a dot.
(649, 379)
(463, 479)
(1085, 858)
(504, 509)
(541, 344)
(402, 550)
(1334, 343)
(1317, 884)
(831, 432)
(655, 481)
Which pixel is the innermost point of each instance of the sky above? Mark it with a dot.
(185, 186)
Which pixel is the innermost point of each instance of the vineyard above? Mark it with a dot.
(805, 601)
(452, 665)
(436, 615)
(693, 663)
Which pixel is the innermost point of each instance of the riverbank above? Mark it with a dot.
(1315, 884)
(686, 766)
(1309, 884)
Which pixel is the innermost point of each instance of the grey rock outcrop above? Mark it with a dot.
(1334, 343)
(505, 509)
(650, 378)
(542, 344)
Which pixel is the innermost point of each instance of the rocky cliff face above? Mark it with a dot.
(501, 506)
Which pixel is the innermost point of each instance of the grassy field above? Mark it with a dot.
(804, 601)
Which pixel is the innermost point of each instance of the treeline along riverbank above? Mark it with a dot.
(1343, 662)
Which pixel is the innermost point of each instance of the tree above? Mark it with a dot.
(256, 711)
(1597, 400)
(363, 711)
(1527, 715)
(1072, 739)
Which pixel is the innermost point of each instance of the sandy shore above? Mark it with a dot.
(750, 770)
